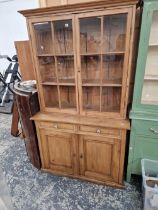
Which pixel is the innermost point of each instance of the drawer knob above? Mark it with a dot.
(98, 131)
(81, 156)
(55, 126)
(153, 131)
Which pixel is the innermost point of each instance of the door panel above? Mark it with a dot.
(99, 158)
(59, 151)
(99, 166)
(103, 51)
(54, 43)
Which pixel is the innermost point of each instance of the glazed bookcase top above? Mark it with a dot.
(83, 57)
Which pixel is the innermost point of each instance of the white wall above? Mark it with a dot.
(12, 26)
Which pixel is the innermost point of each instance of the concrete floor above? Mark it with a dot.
(30, 189)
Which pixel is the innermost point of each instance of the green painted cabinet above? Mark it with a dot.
(144, 113)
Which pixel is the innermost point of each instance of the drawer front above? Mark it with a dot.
(146, 128)
(100, 131)
(56, 125)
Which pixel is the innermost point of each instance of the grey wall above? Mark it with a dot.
(12, 26)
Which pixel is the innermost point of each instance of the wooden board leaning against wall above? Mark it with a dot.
(25, 60)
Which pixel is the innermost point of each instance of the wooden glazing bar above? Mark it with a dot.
(56, 67)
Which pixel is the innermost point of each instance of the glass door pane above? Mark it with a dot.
(90, 55)
(51, 96)
(90, 69)
(43, 37)
(91, 98)
(114, 33)
(63, 37)
(68, 97)
(90, 35)
(47, 69)
(65, 63)
(150, 86)
(111, 97)
(112, 69)
(102, 52)
(66, 71)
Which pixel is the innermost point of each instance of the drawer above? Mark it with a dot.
(56, 125)
(146, 128)
(100, 131)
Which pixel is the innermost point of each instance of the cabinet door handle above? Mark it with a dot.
(98, 131)
(81, 156)
(153, 131)
(55, 126)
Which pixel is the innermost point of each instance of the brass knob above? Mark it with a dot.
(81, 156)
(55, 126)
(98, 131)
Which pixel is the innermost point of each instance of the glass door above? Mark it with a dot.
(150, 85)
(56, 62)
(102, 53)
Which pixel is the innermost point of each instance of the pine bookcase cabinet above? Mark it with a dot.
(144, 114)
(83, 64)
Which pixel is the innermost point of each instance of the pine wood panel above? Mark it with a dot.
(58, 151)
(102, 165)
(24, 54)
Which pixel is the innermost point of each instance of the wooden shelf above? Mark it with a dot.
(114, 53)
(101, 85)
(59, 83)
(66, 84)
(90, 54)
(62, 55)
(105, 83)
(151, 77)
(111, 85)
(91, 85)
(148, 102)
(105, 53)
(46, 55)
(57, 55)
(49, 83)
(153, 45)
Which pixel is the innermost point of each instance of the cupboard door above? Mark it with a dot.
(103, 53)
(99, 158)
(58, 151)
(56, 61)
(150, 85)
